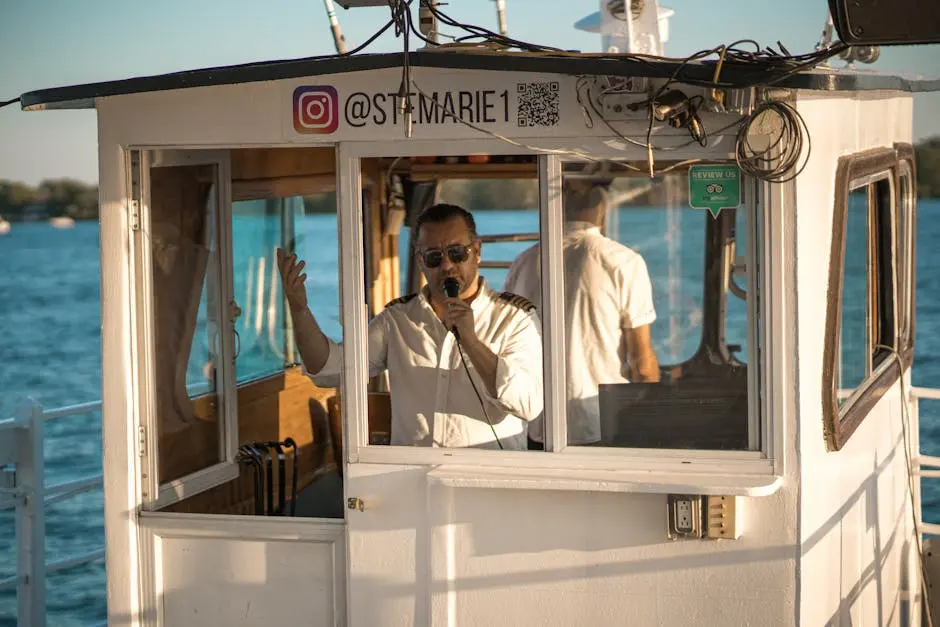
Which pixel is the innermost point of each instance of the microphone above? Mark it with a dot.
(452, 290)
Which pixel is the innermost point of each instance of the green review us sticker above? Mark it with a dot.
(714, 187)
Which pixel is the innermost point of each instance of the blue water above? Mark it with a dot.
(51, 344)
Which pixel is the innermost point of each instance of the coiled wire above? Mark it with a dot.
(777, 161)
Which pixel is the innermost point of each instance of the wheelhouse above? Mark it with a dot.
(240, 492)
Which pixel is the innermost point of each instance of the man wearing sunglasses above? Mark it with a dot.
(465, 368)
(608, 310)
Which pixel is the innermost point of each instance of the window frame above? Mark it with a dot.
(852, 172)
(757, 418)
(139, 161)
(907, 274)
(740, 472)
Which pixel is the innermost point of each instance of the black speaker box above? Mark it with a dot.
(886, 22)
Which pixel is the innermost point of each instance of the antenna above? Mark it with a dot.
(427, 20)
(648, 23)
(501, 16)
(338, 40)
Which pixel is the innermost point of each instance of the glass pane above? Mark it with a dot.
(853, 342)
(259, 228)
(187, 317)
(646, 304)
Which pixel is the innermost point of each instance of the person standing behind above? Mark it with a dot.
(608, 310)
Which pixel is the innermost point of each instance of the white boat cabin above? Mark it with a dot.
(764, 480)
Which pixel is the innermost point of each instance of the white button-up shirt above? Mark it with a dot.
(607, 289)
(433, 402)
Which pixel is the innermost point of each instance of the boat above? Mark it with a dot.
(4, 226)
(771, 476)
(62, 222)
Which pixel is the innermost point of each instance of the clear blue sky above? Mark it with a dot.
(48, 43)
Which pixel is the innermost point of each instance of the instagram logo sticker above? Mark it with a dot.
(315, 109)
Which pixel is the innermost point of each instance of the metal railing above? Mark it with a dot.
(22, 486)
(926, 466)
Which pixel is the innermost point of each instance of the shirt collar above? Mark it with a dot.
(483, 297)
(579, 226)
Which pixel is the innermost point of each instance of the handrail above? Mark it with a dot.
(67, 490)
(11, 582)
(71, 410)
(509, 237)
(928, 393)
(25, 451)
(75, 560)
(927, 466)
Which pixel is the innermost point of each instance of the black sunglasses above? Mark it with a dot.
(457, 253)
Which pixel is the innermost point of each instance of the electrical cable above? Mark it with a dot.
(8, 102)
(479, 31)
(769, 163)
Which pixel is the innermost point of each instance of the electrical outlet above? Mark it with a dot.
(722, 517)
(684, 516)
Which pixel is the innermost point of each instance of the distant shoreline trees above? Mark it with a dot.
(66, 197)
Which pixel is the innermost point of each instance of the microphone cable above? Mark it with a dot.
(479, 398)
(452, 290)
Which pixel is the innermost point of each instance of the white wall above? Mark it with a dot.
(854, 503)
(428, 554)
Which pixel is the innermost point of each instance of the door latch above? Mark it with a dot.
(354, 502)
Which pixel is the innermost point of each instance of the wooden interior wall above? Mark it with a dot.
(270, 409)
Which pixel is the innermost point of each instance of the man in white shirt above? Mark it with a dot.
(608, 310)
(483, 395)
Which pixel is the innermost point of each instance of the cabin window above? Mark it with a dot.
(656, 339)
(862, 353)
(241, 428)
(426, 387)
(867, 335)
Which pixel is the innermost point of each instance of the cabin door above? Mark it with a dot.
(393, 524)
(202, 561)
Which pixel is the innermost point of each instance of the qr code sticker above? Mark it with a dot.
(538, 103)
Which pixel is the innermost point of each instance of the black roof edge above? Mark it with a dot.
(743, 75)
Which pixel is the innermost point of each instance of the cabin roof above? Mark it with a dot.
(83, 96)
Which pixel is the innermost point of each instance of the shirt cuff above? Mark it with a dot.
(514, 396)
(330, 375)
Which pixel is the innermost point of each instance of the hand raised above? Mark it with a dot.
(293, 279)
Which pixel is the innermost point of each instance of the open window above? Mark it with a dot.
(238, 427)
(416, 395)
(182, 239)
(862, 357)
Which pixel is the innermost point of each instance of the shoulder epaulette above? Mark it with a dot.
(400, 300)
(515, 300)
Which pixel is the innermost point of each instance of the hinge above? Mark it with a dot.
(135, 193)
(135, 215)
(142, 440)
